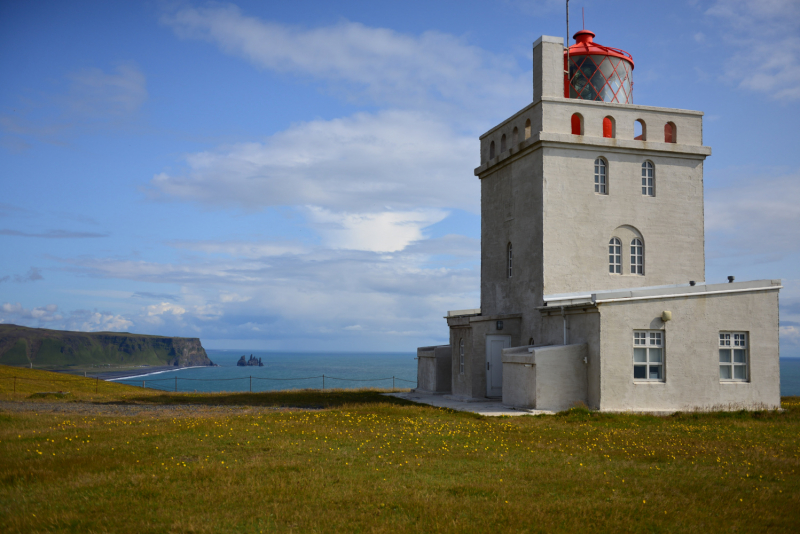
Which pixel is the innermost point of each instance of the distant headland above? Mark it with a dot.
(40, 347)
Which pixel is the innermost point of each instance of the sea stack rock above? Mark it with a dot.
(253, 362)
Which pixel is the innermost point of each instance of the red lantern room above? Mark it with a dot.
(598, 72)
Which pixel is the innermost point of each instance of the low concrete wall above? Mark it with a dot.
(434, 370)
(546, 378)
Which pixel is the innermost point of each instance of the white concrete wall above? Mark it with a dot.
(583, 327)
(548, 67)
(691, 353)
(548, 378)
(578, 223)
(434, 370)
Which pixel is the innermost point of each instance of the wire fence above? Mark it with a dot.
(172, 383)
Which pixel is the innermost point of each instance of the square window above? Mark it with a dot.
(648, 355)
(733, 357)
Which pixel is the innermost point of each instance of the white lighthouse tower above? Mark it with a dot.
(592, 258)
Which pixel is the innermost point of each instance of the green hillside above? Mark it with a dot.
(20, 345)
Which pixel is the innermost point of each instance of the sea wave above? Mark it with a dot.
(131, 377)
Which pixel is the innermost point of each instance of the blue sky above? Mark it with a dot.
(274, 175)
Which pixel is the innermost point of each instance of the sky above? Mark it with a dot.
(299, 175)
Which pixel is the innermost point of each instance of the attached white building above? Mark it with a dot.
(593, 261)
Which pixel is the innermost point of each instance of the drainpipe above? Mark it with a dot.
(564, 317)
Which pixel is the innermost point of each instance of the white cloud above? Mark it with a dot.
(165, 307)
(360, 163)
(99, 322)
(49, 317)
(16, 313)
(377, 232)
(764, 36)
(242, 249)
(232, 297)
(307, 298)
(388, 66)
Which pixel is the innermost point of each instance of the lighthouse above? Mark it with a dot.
(593, 260)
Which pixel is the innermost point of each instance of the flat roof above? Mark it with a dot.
(464, 313)
(655, 292)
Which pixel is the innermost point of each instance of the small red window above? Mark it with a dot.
(608, 127)
(670, 135)
(577, 126)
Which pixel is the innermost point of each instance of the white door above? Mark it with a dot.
(494, 364)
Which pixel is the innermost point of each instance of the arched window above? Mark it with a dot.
(528, 129)
(461, 355)
(491, 150)
(503, 144)
(600, 176)
(639, 130)
(510, 262)
(615, 256)
(577, 124)
(648, 179)
(637, 256)
(670, 133)
(609, 127)
(515, 137)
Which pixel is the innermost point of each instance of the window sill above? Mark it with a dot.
(649, 381)
(734, 381)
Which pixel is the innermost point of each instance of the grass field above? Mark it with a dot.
(341, 461)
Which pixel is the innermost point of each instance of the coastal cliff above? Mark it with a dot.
(20, 345)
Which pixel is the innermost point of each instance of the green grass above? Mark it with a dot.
(360, 462)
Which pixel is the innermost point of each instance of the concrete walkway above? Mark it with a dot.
(488, 407)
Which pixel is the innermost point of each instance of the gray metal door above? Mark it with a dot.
(494, 364)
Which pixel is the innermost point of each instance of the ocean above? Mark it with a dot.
(350, 370)
(288, 370)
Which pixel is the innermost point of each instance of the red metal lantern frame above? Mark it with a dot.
(583, 47)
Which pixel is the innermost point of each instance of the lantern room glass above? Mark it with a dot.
(599, 77)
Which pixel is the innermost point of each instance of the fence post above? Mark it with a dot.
(142, 384)
(323, 382)
(251, 383)
(176, 384)
(393, 383)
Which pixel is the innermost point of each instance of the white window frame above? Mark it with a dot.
(734, 360)
(648, 179)
(600, 176)
(649, 355)
(461, 355)
(615, 256)
(637, 256)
